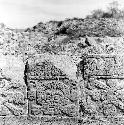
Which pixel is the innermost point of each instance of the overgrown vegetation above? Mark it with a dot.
(113, 11)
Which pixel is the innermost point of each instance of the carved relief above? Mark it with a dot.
(103, 79)
(51, 92)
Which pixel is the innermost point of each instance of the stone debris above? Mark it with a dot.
(13, 100)
(54, 77)
(81, 27)
(12, 87)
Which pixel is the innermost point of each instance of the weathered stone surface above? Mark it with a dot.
(103, 87)
(111, 66)
(50, 91)
(12, 87)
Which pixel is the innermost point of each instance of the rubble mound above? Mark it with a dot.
(51, 72)
(81, 27)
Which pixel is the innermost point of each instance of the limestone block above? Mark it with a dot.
(51, 91)
(13, 90)
(104, 66)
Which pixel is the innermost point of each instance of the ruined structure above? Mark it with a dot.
(104, 85)
(83, 83)
(95, 94)
(13, 99)
(51, 92)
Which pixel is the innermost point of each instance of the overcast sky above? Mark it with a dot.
(26, 13)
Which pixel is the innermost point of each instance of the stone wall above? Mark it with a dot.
(50, 92)
(13, 100)
(104, 85)
(40, 89)
(95, 96)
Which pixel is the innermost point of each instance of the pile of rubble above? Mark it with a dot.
(54, 76)
(81, 27)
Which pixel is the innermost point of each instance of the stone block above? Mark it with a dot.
(103, 66)
(51, 92)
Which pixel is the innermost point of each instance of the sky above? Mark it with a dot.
(27, 13)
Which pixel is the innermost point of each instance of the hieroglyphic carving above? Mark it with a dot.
(103, 79)
(51, 92)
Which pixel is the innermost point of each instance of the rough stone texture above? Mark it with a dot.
(50, 91)
(12, 87)
(96, 96)
(80, 27)
(104, 66)
(103, 82)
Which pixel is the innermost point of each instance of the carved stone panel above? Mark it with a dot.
(103, 66)
(50, 92)
(103, 87)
